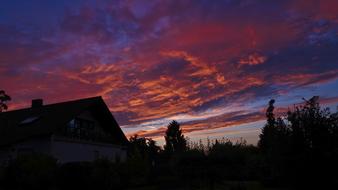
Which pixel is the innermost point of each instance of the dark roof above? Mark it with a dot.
(47, 119)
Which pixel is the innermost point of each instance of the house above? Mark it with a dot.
(80, 130)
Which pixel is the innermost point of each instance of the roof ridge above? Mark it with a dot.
(52, 104)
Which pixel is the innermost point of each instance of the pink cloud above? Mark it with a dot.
(176, 59)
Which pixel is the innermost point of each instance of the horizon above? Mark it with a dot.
(211, 66)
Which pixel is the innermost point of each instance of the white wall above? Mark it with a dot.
(72, 151)
(68, 150)
(38, 145)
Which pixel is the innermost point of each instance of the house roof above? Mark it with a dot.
(26, 123)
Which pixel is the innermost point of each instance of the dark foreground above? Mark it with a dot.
(296, 151)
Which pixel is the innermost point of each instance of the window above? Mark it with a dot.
(80, 128)
(29, 120)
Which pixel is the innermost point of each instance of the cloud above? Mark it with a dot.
(253, 59)
(225, 120)
(206, 124)
(162, 60)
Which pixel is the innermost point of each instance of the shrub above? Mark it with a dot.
(34, 171)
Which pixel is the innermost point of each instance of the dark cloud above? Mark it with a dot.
(157, 60)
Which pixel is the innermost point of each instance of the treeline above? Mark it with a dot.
(301, 147)
(298, 149)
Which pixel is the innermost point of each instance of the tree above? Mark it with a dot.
(146, 147)
(138, 146)
(3, 99)
(273, 143)
(174, 138)
(143, 153)
(269, 130)
(301, 146)
(153, 150)
(310, 127)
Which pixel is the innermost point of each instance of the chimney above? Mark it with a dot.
(36, 103)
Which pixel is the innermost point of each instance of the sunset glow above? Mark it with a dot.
(210, 65)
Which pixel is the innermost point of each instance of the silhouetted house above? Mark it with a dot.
(80, 130)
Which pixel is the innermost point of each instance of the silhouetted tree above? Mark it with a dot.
(146, 147)
(153, 150)
(142, 155)
(174, 138)
(3, 99)
(273, 143)
(138, 145)
(303, 146)
(269, 131)
(311, 127)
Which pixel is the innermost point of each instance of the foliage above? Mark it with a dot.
(299, 149)
(100, 174)
(35, 171)
(142, 156)
(234, 160)
(143, 147)
(175, 141)
(3, 99)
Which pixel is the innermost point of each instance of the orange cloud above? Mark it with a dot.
(253, 59)
(163, 64)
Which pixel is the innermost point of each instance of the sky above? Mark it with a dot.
(210, 65)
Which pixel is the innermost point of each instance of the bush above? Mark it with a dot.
(34, 171)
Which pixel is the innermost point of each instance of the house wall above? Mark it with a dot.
(37, 145)
(67, 149)
(64, 150)
(70, 150)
